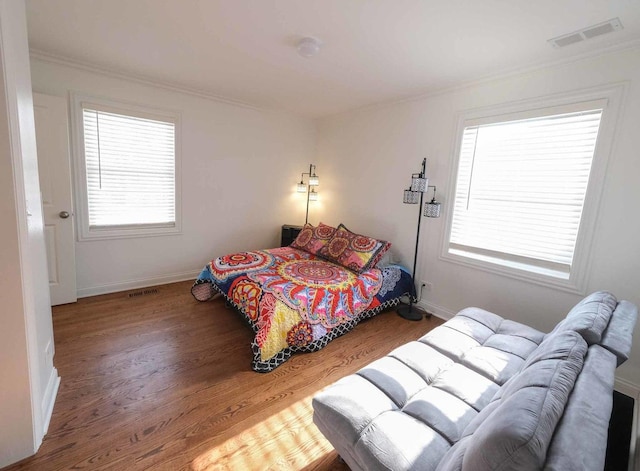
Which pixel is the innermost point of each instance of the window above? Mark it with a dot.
(522, 184)
(129, 171)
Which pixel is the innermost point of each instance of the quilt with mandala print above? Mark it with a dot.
(296, 301)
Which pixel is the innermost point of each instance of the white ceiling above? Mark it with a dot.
(374, 50)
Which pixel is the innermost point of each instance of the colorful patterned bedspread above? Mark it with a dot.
(295, 301)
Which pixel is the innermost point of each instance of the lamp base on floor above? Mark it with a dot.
(410, 312)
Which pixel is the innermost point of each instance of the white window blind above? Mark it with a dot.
(130, 170)
(521, 188)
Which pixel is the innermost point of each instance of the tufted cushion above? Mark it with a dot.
(349, 406)
(515, 430)
(590, 316)
(384, 415)
(584, 424)
(617, 338)
(484, 342)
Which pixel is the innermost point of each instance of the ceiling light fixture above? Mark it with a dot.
(308, 47)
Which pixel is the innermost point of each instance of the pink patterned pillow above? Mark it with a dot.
(378, 257)
(354, 251)
(313, 239)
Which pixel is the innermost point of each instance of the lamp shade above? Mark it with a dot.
(411, 197)
(419, 184)
(432, 209)
(302, 188)
(313, 196)
(314, 180)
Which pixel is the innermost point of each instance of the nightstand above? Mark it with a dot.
(289, 234)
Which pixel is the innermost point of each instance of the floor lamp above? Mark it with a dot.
(414, 195)
(312, 181)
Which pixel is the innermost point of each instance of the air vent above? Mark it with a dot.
(143, 293)
(566, 40)
(587, 33)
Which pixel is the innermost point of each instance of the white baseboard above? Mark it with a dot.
(139, 283)
(627, 387)
(49, 399)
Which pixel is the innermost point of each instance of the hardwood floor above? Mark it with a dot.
(161, 381)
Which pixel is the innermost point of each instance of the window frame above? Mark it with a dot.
(84, 231)
(576, 282)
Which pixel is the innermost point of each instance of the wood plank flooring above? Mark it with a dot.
(163, 382)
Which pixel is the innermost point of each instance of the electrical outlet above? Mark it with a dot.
(426, 285)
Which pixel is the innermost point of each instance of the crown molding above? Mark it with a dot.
(175, 87)
(502, 75)
(138, 78)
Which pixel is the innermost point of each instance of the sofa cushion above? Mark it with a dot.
(400, 442)
(617, 337)
(558, 346)
(514, 431)
(403, 411)
(484, 342)
(584, 424)
(590, 316)
(344, 410)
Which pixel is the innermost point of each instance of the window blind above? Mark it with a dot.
(130, 170)
(521, 188)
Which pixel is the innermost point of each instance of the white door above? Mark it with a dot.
(54, 167)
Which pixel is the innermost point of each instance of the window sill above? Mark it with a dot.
(519, 271)
(130, 232)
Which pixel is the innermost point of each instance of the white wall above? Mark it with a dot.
(239, 170)
(28, 382)
(367, 156)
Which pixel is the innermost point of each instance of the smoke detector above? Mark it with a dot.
(308, 47)
(587, 33)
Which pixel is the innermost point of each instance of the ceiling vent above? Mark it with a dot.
(587, 33)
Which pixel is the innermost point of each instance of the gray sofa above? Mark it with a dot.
(485, 393)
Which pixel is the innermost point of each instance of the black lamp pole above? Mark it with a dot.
(407, 311)
(306, 218)
(301, 187)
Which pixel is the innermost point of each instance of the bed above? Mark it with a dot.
(298, 301)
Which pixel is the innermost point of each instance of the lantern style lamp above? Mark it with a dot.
(313, 180)
(414, 195)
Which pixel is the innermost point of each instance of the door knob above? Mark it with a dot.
(63, 214)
